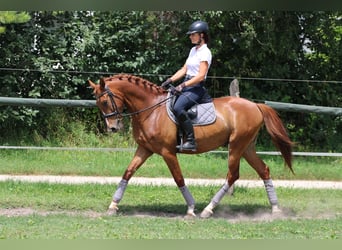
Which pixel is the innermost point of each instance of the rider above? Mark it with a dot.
(192, 88)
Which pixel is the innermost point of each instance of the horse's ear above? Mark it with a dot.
(91, 84)
(102, 83)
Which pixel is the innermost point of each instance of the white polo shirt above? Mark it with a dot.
(195, 57)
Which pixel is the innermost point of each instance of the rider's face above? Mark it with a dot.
(195, 38)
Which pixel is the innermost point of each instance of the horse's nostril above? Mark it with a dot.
(112, 129)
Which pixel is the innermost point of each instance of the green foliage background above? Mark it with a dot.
(51, 54)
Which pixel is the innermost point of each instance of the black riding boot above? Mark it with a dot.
(186, 125)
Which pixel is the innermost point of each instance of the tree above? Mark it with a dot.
(8, 17)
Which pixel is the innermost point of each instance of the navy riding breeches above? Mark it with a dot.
(189, 97)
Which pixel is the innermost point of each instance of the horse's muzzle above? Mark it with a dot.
(113, 129)
(114, 126)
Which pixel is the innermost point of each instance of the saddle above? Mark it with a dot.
(200, 114)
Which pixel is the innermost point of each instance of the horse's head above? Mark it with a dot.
(110, 105)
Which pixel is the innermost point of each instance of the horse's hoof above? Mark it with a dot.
(206, 213)
(190, 216)
(276, 210)
(112, 211)
(113, 208)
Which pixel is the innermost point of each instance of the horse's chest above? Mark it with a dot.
(142, 136)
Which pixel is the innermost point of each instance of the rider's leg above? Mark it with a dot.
(186, 125)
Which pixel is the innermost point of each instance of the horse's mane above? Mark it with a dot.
(135, 80)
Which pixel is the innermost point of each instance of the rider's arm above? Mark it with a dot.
(179, 74)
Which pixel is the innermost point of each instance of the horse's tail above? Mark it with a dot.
(278, 133)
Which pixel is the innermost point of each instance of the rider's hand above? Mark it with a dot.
(166, 84)
(180, 87)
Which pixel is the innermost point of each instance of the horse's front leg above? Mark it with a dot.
(140, 156)
(173, 165)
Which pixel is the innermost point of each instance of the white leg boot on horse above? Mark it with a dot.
(190, 201)
(208, 210)
(272, 196)
(113, 207)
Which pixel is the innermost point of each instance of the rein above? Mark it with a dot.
(121, 114)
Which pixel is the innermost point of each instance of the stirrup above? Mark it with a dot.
(187, 146)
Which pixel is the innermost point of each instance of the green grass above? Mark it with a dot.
(147, 212)
(78, 227)
(102, 163)
(96, 197)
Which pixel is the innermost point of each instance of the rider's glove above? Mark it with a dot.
(180, 87)
(166, 84)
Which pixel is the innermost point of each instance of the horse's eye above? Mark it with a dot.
(105, 103)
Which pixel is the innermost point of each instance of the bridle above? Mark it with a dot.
(112, 97)
(115, 109)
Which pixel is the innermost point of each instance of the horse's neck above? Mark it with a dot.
(139, 98)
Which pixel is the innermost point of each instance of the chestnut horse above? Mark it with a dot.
(237, 125)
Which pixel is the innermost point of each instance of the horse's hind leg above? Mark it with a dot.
(232, 175)
(263, 171)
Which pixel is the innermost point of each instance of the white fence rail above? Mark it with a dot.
(34, 102)
(133, 149)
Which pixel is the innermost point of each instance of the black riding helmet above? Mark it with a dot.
(198, 27)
